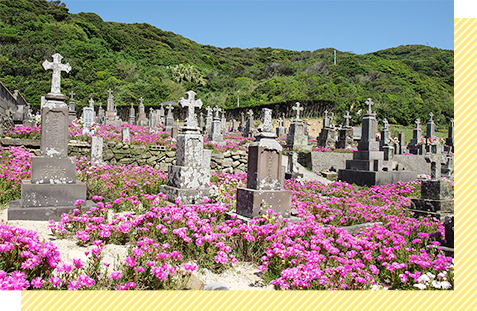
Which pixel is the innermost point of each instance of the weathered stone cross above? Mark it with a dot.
(418, 122)
(209, 111)
(141, 100)
(434, 156)
(370, 103)
(190, 103)
(431, 115)
(298, 109)
(57, 68)
(72, 94)
(346, 118)
(217, 111)
(169, 110)
(386, 124)
(250, 113)
(110, 93)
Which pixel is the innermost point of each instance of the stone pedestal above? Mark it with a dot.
(250, 202)
(437, 199)
(327, 138)
(216, 135)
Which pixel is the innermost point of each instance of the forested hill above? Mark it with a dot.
(137, 60)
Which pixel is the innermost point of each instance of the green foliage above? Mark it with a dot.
(135, 60)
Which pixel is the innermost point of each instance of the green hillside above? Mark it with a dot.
(137, 60)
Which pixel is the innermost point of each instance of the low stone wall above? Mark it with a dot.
(230, 161)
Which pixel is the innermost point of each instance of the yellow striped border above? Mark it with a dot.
(464, 296)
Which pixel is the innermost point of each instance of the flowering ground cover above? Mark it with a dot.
(167, 242)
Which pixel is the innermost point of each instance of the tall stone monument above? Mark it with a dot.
(368, 166)
(385, 134)
(264, 175)
(132, 115)
(100, 115)
(208, 121)
(52, 189)
(189, 179)
(71, 108)
(142, 118)
(97, 151)
(111, 117)
(281, 130)
(223, 121)
(431, 127)
(296, 137)
(248, 128)
(216, 135)
(415, 147)
(242, 122)
(327, 136)
(169, 123)
(450, 138)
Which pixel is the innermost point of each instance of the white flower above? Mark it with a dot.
(430, 275)
(420, 286)
(445, 285)
(436, 284)
(424, 279)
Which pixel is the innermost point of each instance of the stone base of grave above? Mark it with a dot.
(233, 216)
(53, 170)
(17, 212)
(326, 139)
(249, 202)
(186, 177)
(293, 175)
(186, 196)
(71, 116)
(436, 208)
(371, 178)
(346, 144)
(45, 195)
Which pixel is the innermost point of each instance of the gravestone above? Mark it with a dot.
(327, 136)
(280, 130)
(385, 134)
(431, 127)
(248, 128)
(450, 138)
(152, 120)
(216, 136)
(100, 116)
(264, 175)
(201, 121)
(242, 122)
(111, 116)
(88, 120)
(125, 135)
(368, 166)
(52, 189)
(189, 179)
(132, 115)
(208, 121)
(296, 137)
(223, 121)
(345, 135)
(142, 118)
(437, 195)
(402, 144)
(233, 125)
(415, 146)
(169, 123)
(97, 151)
(292, 169)
(71, 108)
(161, 119)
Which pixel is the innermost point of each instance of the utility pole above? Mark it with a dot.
(335, 57)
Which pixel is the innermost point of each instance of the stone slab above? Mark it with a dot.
(186, 196)
(437, 190)
(51, 195)
(186, 177)
(433, 206)
(46, 170)
(371, 178)
(29, 143)
(16, 212)
(249, 201)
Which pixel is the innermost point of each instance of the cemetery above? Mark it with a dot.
(156, 202)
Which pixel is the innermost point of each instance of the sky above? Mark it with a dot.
(355, 26)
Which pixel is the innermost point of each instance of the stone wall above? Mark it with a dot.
(113, 153)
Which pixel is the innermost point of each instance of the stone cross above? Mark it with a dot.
(298, 109)
(209, 111)
(141, 100)
(250, 113)
(280, 122)
(72, 94)
(370, 103)
(217, 111)
(386, 124)
(431, 115)
(57, 68)
(110, 93)
(418, 122)
(346, 118)
(190, 103)
(169, 110)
